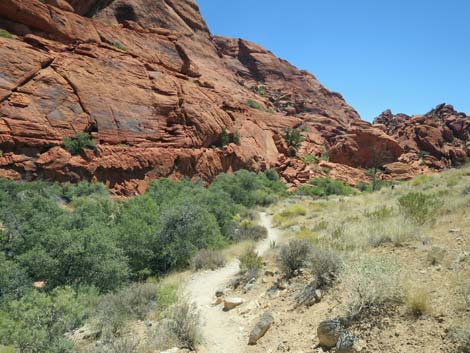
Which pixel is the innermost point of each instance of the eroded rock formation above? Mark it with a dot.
(156, 91)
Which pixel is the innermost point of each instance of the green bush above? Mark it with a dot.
(418, 207)
(14, 280)
(321, 187)
(293, 138)
(248, 189)
(272, 175)
(294, 256)
(252, 104)
(224, 138)
(250, 262)
(80, 141)
(182, 231)
(38, 322)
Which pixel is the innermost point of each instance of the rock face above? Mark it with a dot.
(156, 91)
(440, 137)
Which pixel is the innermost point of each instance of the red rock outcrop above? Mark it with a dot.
(155, 90)
(365, 148)
(438, 139)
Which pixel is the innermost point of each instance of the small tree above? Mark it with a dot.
(380, 157)
(293, 139)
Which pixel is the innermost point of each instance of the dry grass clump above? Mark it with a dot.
(417, 301)
(208, 260)
(371, 283)
(436, 255)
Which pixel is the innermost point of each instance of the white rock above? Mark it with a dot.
(230, 303)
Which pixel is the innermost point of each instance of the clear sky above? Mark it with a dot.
(406, 55)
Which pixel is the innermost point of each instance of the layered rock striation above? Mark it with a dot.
(157, 92)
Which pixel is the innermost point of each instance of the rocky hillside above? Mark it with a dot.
(162, 97)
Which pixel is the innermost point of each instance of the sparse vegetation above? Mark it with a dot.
(119, 46)
(322, 187)
(5, 34)
(80, 141)
(252, 104)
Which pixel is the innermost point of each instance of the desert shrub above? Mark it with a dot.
(250, 261)
(308, 159)
(224, 138)
(294, 256)
(252, 104)
(461, 335)
(235, 138)
(417, 301)
(167, 294)
(5, 34)
(419, 180)
(130, 303)
(372, 187)
(466, 190)
(247, 230)
(418, 207)
(124, 344)
(183, 323)
(272, 175)
(371, 283)
(436, 255)
(325, 266)
(38, 322)
(207, 260)
(83, 189)
(119, 46)
(14, 280)
(325, 154)
(379, 213)
(78, 142)
(321, 187)
(293, 138)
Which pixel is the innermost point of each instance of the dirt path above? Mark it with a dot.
(223, 332)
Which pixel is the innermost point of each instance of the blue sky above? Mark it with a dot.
(406, 55)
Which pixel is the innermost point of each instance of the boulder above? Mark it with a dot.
(365, 148)
(231, 303)
(329, 332)
(261, 327)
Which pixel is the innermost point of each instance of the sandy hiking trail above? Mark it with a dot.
(223, 332)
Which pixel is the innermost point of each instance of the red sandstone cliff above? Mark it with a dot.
(156, 90)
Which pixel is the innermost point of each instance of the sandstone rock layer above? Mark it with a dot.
(156, 91)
